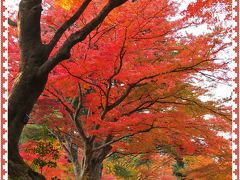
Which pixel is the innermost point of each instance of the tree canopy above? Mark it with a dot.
(131, 81)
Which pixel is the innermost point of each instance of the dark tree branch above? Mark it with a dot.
(74, 113)
(115, 73)
(139, 83)
(12, 23)
(67, 24)
(125, 94)
(142, 106)
(80, 78)
(129, 135)
(104, 31)
(70, 110)
(76, 116)
(80, 129)
(205, 107)
(91, 44)
(132, 153)
(118, 101)
(64, 51)
(60, 139)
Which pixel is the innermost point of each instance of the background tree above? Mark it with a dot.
(46, 155)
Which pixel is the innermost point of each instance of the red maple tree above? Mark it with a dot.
(132, 75)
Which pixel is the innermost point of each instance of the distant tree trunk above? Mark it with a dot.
(92, 163)
(90, 167)
(93, 171)
(76, 169)
(73, 156)
(76, 166)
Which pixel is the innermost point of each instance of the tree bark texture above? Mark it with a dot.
(91, 164)
(35, 66)
(93, 172)
(27, 86)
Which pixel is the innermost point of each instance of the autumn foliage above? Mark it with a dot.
(135, 86)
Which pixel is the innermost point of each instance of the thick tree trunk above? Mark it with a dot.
(27, 87)
(24, 94)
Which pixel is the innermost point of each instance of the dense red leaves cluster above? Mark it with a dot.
(133, 74)
(138, 43)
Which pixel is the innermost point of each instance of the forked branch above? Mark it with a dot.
(67, 24)
(64, 51)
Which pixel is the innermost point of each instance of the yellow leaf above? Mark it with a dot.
(65, 4)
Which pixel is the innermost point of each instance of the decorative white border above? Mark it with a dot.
(4, 90)
(235, 86)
